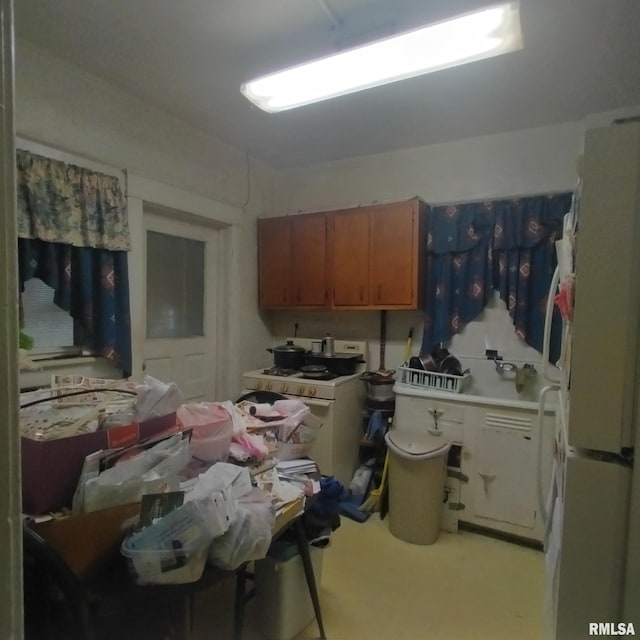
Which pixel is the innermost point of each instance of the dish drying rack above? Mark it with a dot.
(432, 379)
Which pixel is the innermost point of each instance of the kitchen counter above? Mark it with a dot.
(468, 398)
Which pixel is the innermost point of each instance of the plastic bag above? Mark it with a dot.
(152, 471)
(157, 399)
(206, 419)
(247, 446)
(360, 480)
(249, 536)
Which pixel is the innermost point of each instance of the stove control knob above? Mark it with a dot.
(301, 389)
(284, 388)
(312, 391)
(267, 386)
(259, 385)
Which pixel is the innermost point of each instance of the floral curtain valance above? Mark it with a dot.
(64, 203)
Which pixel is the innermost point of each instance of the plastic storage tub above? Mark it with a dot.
(167, 566)
(213, 448)
(283, 604)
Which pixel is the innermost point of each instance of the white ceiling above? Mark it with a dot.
(189, 58)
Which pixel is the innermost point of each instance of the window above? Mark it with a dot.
(175, 286)
(52, 329)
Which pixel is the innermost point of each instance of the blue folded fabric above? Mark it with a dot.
(375, 425)
(349, 506)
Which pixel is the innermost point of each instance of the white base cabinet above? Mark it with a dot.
(495, 482)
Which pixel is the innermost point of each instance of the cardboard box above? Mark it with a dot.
(87, 541)
(51, 468)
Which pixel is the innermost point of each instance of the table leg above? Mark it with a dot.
(303, 550)
(240, 601)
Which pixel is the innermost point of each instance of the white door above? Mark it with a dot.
(181, 295)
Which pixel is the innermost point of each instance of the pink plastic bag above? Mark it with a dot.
(206, 419)
(212, 427)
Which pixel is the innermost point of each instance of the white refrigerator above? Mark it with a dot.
(592, 549)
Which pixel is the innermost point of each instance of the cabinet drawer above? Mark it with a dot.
(423, 415)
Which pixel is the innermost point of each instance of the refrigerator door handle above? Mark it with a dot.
(546, 340)
(542, 501)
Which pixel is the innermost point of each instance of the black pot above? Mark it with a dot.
(342, 364)
(288, 356)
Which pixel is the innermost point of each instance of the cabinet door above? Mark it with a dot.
(505, 476)
(309, 260)
(274, 255)
(394, 251)
(350, 258)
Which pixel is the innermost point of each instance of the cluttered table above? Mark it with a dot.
(189, 495)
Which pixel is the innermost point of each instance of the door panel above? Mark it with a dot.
(392, 262)
(504, 468)
(160, 368)
(274, 255)
(181, 305)
(351, 252)
(309, 260)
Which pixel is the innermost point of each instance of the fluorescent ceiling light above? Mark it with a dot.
(483, 34)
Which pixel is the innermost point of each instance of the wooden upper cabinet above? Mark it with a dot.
(393, 275)
(292, 261)
(378, 255)
(350, 258)
(274, 260)
(369, 257)
(309, 260)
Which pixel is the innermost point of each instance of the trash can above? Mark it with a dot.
(417, 468)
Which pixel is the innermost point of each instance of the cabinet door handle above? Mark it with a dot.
(379, 292)
(486, 479)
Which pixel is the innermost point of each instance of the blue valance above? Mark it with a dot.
(92, 285)
(504, 245)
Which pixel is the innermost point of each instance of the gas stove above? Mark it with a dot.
(337, 403)
(294, 383)
(288, 373)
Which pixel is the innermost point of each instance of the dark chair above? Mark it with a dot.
(55, 604)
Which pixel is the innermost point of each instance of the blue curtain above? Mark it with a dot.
(92, 285)
(505, 245)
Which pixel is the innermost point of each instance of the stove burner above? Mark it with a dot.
(324, 375)
(279, 371)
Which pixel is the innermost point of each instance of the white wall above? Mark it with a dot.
(520, 163)
(528, 162)
(170, 163)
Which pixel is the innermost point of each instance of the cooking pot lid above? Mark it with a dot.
(290, 346)
(337, 356)
(417, 444)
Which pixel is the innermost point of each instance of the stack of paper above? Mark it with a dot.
(295, 467)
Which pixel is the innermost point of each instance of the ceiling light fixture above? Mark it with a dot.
(490, 32)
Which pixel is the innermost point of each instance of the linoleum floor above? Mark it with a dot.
(466, 586)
